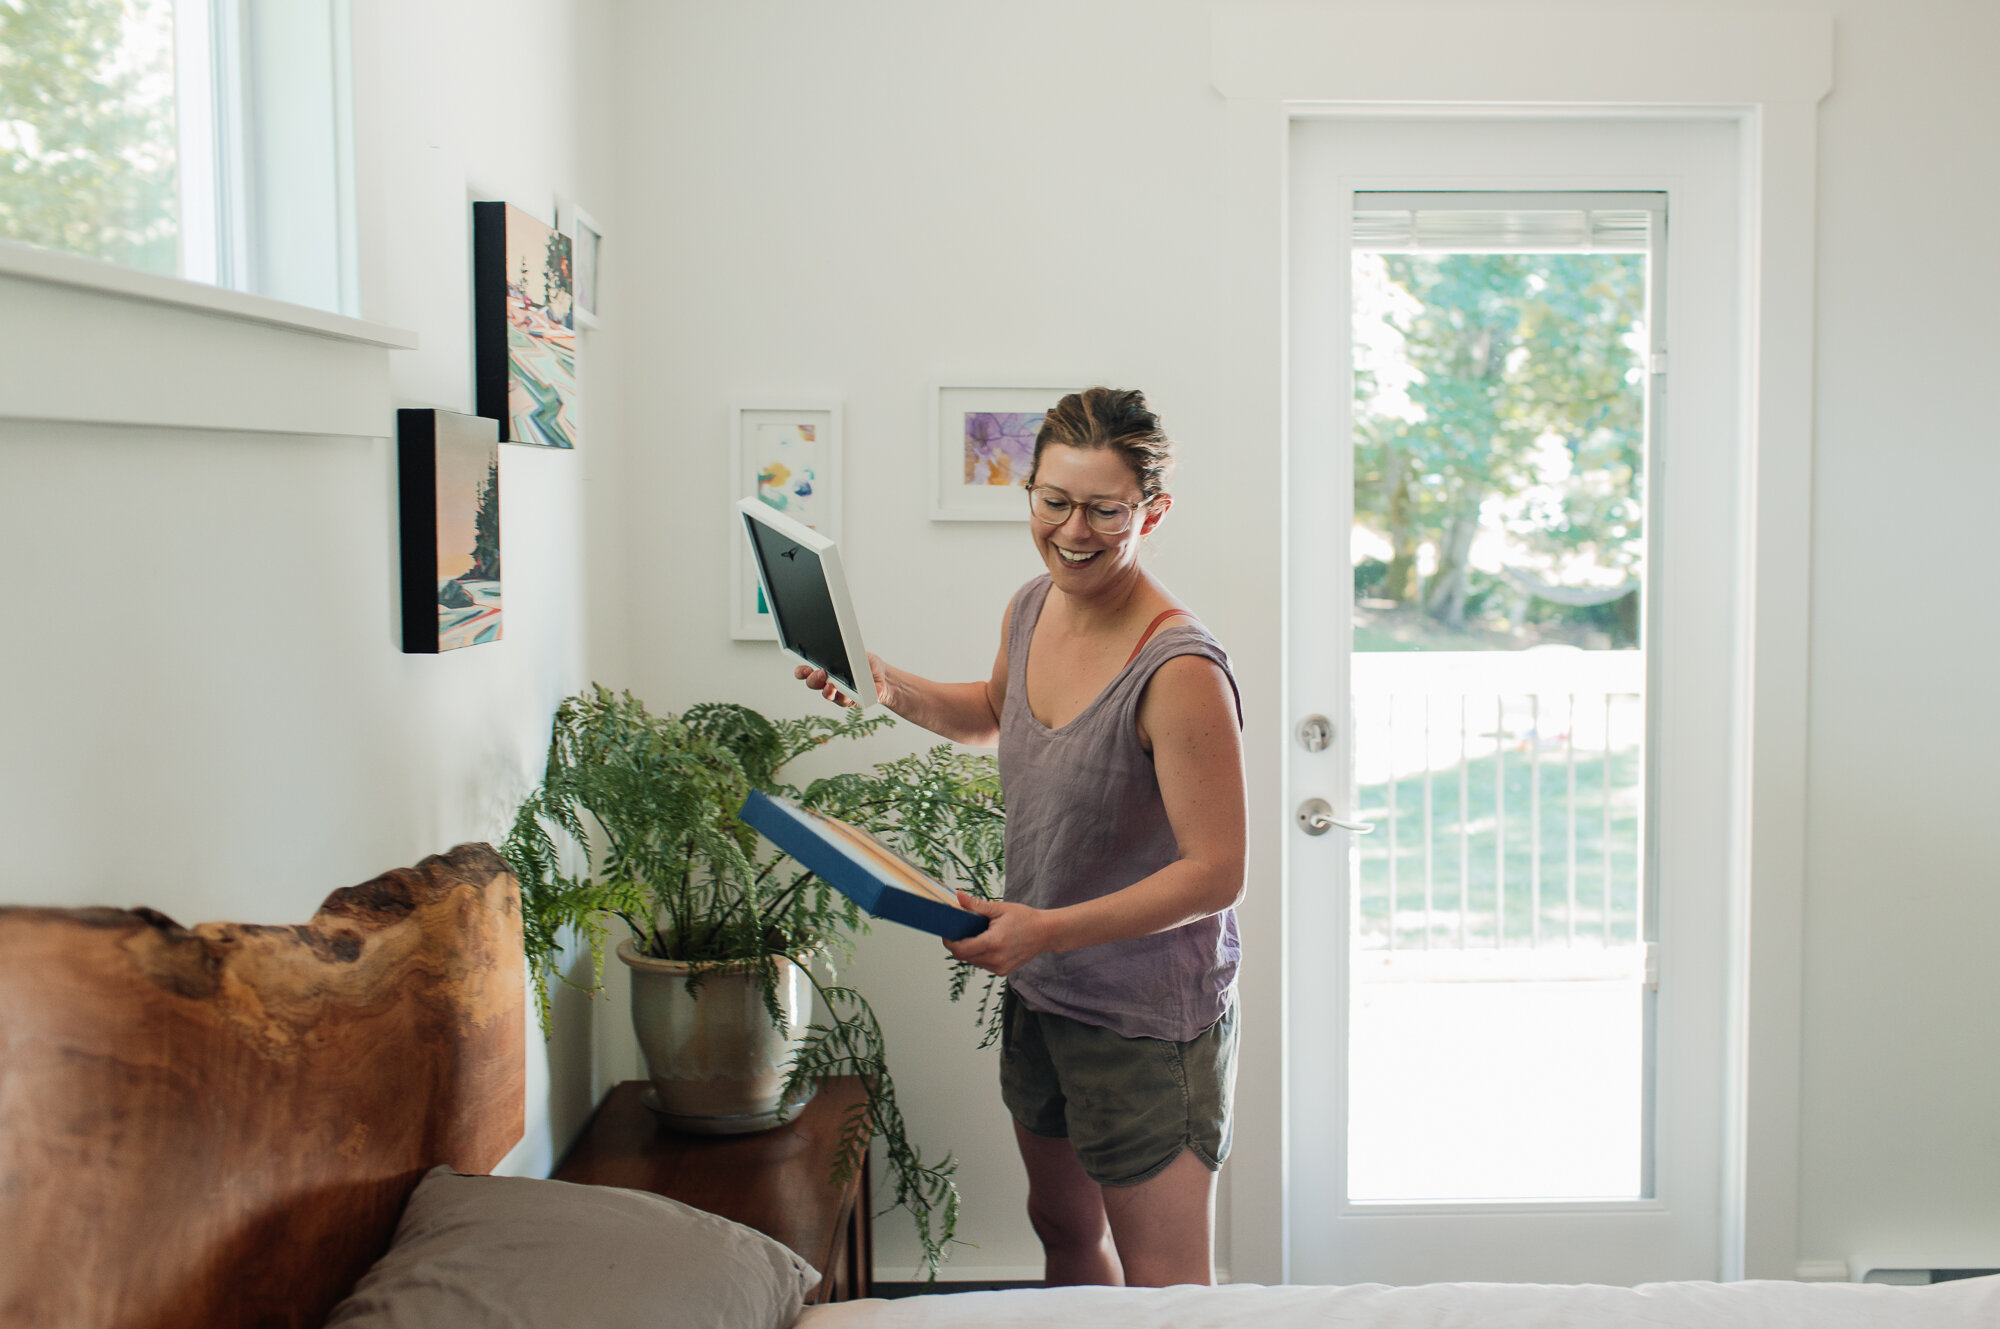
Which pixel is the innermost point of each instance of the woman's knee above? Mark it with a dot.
(1059, 1221)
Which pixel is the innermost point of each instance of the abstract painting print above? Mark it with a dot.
(1000, 446)
(790, 463)
(449, 475)
(525, 327)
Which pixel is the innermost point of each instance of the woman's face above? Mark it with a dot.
(1083, 560)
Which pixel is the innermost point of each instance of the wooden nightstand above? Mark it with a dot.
(777, 1181)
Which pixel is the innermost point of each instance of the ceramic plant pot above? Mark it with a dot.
(716, 1061)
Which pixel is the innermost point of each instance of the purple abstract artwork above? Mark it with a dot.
(1000, 446)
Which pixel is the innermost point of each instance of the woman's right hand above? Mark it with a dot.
(821, 682)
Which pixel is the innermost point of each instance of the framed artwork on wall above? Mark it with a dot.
(448, 500)
(786, 454)
(523, 322)
(982, 446)
(587, 240)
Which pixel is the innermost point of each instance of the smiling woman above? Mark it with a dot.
(1121, 768)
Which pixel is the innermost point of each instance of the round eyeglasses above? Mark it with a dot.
(1106, 516)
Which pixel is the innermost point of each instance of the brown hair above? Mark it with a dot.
(1113, 418)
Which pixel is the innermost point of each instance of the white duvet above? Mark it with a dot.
(1972, 1303)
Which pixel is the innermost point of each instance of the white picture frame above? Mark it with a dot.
(765, 436)
(586, 243)
(964, 487)
(819, 627)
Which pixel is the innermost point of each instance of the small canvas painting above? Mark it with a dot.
(525, 342)
(449, 470)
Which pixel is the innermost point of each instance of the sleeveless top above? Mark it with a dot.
(1084, 819)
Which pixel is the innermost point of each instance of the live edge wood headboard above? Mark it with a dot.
(220, 1125)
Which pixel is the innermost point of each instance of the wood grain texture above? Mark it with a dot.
(219, 1125)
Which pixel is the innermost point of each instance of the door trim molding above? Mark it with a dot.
(1768, 71)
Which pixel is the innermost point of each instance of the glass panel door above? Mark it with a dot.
(1510, 648)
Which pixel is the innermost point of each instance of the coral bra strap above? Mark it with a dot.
(1147, 635)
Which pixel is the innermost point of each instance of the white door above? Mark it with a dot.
(1506, 1021)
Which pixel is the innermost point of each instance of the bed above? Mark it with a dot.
(1751, 1305)
(287, 1126)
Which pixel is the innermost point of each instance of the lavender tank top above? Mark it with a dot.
(1084, 819)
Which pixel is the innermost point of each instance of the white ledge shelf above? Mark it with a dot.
(59, 269)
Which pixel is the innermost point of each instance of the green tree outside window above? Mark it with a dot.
(87, 138)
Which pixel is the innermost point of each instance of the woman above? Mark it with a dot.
(1121, 765)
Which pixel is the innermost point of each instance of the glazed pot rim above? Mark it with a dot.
(629, 953)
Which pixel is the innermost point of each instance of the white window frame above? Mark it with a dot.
(264, 107)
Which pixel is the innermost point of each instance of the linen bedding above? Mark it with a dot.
(1972, 1303)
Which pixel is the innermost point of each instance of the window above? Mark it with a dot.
(207, 139)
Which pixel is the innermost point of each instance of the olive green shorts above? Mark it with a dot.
(1128, 1106)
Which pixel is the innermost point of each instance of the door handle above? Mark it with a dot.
(1315, 817)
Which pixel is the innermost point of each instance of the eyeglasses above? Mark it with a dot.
(1106, 516)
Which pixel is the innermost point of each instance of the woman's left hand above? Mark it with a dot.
(1015, 934)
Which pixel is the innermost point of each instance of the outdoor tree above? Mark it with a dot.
(87, 129)
(1523, 407)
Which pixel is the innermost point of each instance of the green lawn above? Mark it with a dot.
(1473, 877)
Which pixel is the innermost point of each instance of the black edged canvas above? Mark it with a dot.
(524, 327)
(448, 483)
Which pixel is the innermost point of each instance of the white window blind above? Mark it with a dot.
(1485, 223)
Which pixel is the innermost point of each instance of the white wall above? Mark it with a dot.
(206, 705)
(1900, 1157)
(858, 201)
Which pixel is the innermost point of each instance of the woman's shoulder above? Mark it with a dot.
(1184, 661)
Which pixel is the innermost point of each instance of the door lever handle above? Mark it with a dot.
(1315, 817)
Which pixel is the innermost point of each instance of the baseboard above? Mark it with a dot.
(1010, 1274)
(974, 1278)
(898, 1290)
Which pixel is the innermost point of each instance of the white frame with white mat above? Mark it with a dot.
(951, 498)
(821, 511)
(861, 689)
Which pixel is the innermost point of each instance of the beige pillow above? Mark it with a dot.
(472, 1252)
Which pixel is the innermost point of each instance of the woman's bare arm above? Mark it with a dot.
(967, 713)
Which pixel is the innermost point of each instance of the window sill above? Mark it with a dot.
(58, 269)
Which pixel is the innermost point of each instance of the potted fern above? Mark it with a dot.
(730, 941)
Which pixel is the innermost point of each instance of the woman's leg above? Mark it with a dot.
(1164, 1227)
(1067, 1209)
